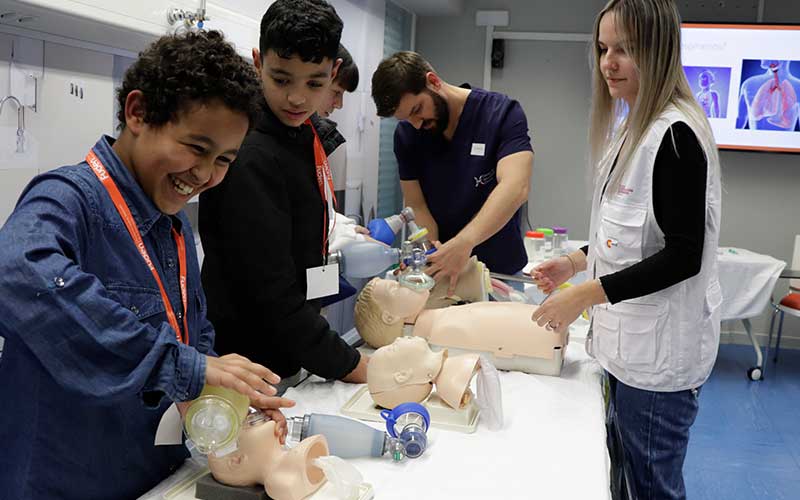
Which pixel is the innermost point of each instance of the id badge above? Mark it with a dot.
(322, 281)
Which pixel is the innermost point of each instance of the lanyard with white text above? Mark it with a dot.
(127, 218)
(325, 182)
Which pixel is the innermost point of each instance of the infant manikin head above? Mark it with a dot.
(403, 371)
(260, 459)
(383, 307)
(406, 370)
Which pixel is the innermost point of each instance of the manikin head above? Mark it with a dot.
(383, 307)
(403, 371)
(260, 459)
(407, 369)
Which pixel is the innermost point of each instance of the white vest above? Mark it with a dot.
(668, 340)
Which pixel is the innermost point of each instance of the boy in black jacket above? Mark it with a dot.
(264, 225)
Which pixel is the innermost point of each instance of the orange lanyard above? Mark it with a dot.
(325, 182)
(125, 213)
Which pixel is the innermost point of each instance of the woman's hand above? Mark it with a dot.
(553, 273)
(561, 309)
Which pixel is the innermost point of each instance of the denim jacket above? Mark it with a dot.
(88, 352)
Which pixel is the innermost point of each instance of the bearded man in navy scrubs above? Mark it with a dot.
(465, 162)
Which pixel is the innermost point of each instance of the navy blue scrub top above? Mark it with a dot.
(457, 176)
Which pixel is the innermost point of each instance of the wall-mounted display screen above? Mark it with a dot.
(747, 80)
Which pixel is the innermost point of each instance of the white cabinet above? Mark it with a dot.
(130, 25)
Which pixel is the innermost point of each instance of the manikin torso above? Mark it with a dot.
(503, 331)
(260, 459)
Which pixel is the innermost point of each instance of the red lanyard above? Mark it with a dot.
(324, 180)
(125, 213)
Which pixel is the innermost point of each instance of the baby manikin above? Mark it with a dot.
(501, 331)
(261, 459)
(407, 371)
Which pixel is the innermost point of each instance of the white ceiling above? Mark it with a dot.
(433, 7)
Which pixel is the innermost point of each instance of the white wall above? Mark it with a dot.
(761, 201)
(64, 127)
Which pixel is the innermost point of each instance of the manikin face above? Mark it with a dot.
(616, 64)
(427, 110)
(182, 158)
(396, 301)
(294, 89)
(335, 100)
(408, 361)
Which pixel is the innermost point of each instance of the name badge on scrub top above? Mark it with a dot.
(478, 149)
(322, 281)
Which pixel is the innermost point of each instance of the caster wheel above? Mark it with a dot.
(754, 373)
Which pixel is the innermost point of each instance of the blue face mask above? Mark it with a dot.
(408, 424)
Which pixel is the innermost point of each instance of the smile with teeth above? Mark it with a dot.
(181, 187)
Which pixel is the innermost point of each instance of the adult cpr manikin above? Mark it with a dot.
(260, 459)
(501, 331)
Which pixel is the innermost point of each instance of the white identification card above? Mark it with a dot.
(478, 149)
(170, 428)
(322, 281)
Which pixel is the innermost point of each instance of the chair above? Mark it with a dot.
(790, 304)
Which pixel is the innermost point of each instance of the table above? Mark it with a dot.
(553, 444)
(747, 280)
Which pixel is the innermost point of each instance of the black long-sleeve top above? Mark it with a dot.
(679, 204)
(261, 228)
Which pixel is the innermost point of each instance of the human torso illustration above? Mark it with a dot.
(770, 101)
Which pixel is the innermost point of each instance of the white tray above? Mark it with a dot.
(362, 406)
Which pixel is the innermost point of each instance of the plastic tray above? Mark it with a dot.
(465, 420)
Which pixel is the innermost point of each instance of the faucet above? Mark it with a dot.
(20, 121)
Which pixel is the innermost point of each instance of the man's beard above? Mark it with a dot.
(442, 113)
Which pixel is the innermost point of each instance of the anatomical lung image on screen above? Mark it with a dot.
(768, 95)
(710, 86)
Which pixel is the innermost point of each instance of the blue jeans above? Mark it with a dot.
(653, 429)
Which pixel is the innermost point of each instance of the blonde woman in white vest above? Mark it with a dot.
(654, 233)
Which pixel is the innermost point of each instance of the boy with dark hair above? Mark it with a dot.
(101, 310)
(346, 81)
(266, 225)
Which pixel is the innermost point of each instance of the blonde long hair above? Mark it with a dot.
(652, 29)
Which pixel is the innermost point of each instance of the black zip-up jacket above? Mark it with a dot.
(261, 229)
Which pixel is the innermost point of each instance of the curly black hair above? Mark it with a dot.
(178, 71)
(347, 77)
(310, 29)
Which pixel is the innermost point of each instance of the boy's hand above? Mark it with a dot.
(243, 376)
(359, 373)
(281, 429)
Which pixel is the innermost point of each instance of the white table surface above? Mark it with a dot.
(552, 444)
(747, 280)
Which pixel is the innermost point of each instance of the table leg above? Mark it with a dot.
(756, 372)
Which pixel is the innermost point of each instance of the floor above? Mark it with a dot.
(745, 443)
